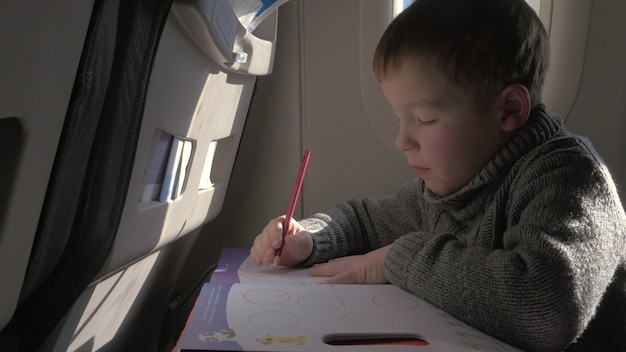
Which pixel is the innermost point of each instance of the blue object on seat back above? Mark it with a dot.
(92, 169)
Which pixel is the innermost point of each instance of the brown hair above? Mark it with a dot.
(480, 45)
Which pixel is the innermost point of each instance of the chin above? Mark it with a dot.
(440, 190)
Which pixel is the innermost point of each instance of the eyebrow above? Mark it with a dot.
(426, 102)
(429, 103)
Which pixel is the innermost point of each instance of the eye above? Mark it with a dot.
(426, 122)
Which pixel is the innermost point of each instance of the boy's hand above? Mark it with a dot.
(357, 269)
(298, 245)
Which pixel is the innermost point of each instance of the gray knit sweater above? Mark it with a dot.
(531, 251)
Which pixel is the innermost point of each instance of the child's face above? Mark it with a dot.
(446, 137)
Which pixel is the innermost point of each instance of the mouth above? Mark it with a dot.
(420, 171)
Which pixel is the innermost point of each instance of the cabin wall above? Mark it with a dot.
(599, 111)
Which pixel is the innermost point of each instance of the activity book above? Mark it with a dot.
(246, 307)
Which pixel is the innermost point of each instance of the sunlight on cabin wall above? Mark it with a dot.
(108, 305)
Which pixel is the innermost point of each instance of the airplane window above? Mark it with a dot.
(534, 4)
(399, 5)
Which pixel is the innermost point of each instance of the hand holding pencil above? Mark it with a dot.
(284, 241)
(298, 244)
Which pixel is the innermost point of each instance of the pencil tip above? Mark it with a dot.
(276, 259)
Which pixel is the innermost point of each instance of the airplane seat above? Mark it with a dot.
(63, 205)
(89, 178)
(142, 160)
(41, 51)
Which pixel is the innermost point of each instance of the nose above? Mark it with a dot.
(405, 141)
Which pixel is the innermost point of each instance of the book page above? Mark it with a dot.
(260, 308)
(312, 317)
(236, 266)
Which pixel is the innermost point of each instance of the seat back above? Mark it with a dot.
(143, 158)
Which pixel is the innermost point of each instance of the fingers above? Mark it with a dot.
(356, 269)
(267, 242)
(331, 268)
(296, 248)
(335, 271)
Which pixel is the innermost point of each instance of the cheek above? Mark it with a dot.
(444, 147)
(465, 155)
(452, 156)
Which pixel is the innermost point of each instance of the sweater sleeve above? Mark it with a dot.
(362, 225)
(562, 238)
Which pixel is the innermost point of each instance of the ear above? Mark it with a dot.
(515, 106)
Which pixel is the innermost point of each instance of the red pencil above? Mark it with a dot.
(293, 201)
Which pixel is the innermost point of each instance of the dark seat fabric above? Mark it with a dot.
(92, 168)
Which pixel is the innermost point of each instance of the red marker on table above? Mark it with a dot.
(293, 201)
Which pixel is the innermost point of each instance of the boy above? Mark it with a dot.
(513, 224)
